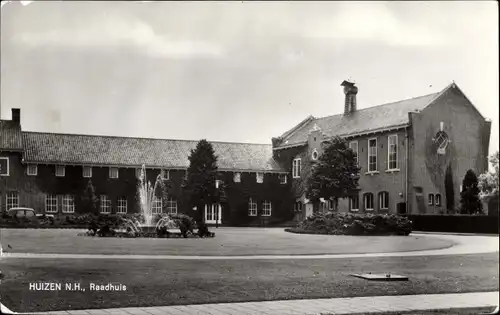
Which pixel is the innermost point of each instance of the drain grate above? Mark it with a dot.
(380, 276)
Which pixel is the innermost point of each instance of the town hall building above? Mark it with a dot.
(405, 150)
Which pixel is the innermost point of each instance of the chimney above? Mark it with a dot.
(16, 115)
(350, 91)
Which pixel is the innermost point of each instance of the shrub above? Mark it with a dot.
(354, 224)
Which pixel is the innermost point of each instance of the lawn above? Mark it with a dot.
(181, 282)
(227, 241)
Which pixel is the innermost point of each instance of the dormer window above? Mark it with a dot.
(237, 177)
(113, 172)
(60, 171)
(260, 178)
(32, 170)
(87, 171)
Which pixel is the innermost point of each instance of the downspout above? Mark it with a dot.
(406, 171)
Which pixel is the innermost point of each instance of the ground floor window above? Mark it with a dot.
(68, 204)
(297, 207)
(431, 199)
(172, 206)
(51, 204)
(12, 200)
(354, 203)
(438, 199)
(157, 205)
(383, 200)
(105, 204)
(368, 201)
(266, 208)
(121, 205)
(252, 208)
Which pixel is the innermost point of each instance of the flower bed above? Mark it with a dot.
(353, 224)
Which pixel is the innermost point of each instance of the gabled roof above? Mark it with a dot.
(55, 148)
(391, 115)
(10, 136)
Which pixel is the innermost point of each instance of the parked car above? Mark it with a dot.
(29, 214)
(20, 212)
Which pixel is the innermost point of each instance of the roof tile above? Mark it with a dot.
(363, 120)
(108, 150)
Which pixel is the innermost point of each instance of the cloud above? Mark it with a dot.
(373, 21)
(111, 32)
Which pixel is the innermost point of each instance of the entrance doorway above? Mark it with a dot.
(213, 213)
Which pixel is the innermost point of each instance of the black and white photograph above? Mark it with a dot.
(249, 157)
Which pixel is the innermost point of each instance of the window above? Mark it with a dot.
(113, 172)
(4, 166)
(87, 171)
(368, 202)
(12, 200)
(51, 204)
(252, 208)
(218, 183)
(32, 169)
(353, 145)
(331, 205)
(383, 200)
(372, 155)
(172, 206)
(431, 199)
(266, 208)
(260, 178)
(438, 199)
(441, 140)
(68, 204)
(237, 177)
(282, 178)
(297, 207)
(354, 203)
(392, 152)
(314, 155)
(157, 205)
(165, 174)
(121, 205)
(60, 170)
(105, 204)
(296, 168)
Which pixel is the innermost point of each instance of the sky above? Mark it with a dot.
(235, 71)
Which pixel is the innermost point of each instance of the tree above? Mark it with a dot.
(449, 190)
(202, 173)
(469, 196)
(90, 200)
(488, 181)
(335, 174)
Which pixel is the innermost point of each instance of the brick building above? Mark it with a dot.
(404, 150)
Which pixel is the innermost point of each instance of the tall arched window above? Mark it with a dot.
(383, 200)
(368, 200)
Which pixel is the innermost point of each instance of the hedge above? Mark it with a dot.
(459, 223)
(353, 224)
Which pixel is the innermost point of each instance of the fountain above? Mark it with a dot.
(146, 193)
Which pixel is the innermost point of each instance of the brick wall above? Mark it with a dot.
(469, 136)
